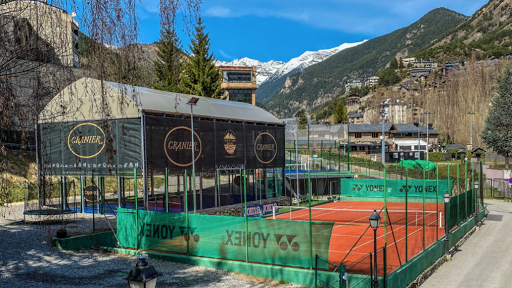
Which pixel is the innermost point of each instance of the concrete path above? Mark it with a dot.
(485, 260)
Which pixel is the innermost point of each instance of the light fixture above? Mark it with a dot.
(193, 101)
(143, 275)
(374, 223)
(446, 198)
(446, 228)
(375, 220)
(476, 185)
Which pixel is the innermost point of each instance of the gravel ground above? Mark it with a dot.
(27, 259)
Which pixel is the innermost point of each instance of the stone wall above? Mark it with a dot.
(236, 210)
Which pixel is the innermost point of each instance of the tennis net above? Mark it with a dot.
(357, 216)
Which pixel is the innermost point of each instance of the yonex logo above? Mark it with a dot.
(285, 241)
(167, 231)
(357, 187)
(405, 188)
(191, 232)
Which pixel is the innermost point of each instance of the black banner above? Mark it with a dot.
(216, 145)
(79, 148)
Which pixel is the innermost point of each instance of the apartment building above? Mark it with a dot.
(239, 83)
(50, 31)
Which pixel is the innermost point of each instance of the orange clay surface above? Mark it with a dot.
(352, 240)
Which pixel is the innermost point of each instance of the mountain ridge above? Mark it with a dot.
(324, 81)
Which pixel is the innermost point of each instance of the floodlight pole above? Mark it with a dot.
(193, 102)
(427, 113)
(471, 129)
(297, 157)
(382, 140)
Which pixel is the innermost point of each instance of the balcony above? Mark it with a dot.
(76, 60)
(74, 36)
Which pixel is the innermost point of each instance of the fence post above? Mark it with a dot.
(437, 200)
(310, 225)
(316, 271)
(166, 190)
(406, 212)
(185, 191)
(424, 208)
(343, 272)
(246, 222)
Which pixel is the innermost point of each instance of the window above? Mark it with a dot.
(361, 148)
(358, 135)
(238, 76)
(375, 135)
(353, 148)
(240, 95)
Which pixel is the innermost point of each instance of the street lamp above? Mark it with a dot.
(375, 223)
(446, 230)
(143, 275)
(471, 129)
(476, 201)
(427, 113)
(193, 102)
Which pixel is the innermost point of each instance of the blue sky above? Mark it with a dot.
(282, 29)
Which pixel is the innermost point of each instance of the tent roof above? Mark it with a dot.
(81, 101)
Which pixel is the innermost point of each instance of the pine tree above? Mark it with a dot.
(168, 66)
(303, 119)
(200, 76)
(497, 132)
(340, 112)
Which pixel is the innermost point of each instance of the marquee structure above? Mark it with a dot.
(94, 129)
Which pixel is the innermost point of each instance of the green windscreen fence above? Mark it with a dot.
(462, 207)
(279, 242)
(395, 188)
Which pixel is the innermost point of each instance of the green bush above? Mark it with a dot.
(436, 157)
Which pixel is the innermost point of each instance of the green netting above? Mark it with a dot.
(462, 207)
(413, 268)
(395, 188)
(418, 164)
(268, 241)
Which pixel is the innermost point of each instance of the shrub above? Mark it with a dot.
(436, 157)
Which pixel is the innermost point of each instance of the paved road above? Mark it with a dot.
(485, 259)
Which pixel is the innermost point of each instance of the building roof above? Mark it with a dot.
(356, 115)
(410, 128)
(80, 102)
(371, 127)
(453, 146)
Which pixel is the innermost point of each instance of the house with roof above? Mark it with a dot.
(407, 136)
(367, 138)
(356, 118)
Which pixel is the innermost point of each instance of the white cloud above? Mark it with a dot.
(225, 55)
(218, 12)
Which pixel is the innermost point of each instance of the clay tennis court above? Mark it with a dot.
(352, 245)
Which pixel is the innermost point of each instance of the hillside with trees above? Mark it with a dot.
(487, 33)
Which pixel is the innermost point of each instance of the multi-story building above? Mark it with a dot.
(49, 30)
(239, 83)
(354, 83)
(371, 81)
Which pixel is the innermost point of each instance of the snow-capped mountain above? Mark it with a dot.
(263, 69)
(274, 69)
(309, 58)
